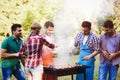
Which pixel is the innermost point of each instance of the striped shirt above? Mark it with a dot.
(34, 47)
(93, 41)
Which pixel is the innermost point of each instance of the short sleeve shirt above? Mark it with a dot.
(12, 46)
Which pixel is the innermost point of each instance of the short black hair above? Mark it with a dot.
(48, 23)
(14, 26)
(108, 24)
(86, 24)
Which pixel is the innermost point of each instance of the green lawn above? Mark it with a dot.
(75, 57)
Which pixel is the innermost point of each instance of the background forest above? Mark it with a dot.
(26, 12)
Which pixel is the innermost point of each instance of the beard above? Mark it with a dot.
(19, 35)
(110, 33)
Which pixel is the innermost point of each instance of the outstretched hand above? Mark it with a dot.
(70, 53)
(56, 46)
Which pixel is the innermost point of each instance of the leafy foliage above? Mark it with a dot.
(115, 18)
(25, 12)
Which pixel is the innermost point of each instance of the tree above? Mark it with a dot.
(25, 12)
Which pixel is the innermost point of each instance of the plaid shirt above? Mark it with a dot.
(93, 41)
(34, 47)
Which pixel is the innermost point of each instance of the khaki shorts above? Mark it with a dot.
(38, 69)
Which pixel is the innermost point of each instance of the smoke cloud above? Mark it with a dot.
(69, 18)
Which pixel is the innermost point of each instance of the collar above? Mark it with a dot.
(13, 38)
(89, 33)
(112, 36)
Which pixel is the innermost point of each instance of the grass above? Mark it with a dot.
(74, 59)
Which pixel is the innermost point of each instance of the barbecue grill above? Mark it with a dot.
(65, 70)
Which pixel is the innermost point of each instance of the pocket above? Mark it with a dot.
(117, 65)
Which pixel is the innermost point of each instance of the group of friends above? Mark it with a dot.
(38, 47)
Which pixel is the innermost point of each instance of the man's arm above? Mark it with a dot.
(114, 55)
(4, 54)
(76, 43)
(94, 54)
(95, 47)
(104, 53)
(50, 45)
(91, 55)
(72, 50)
(23, 53)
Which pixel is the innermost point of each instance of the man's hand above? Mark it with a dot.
(106, 54)
(70, 53)
(56, 45)
(23, 61)
(111, 56)
(72, 49)
(16, 54)
(4, 54)
(91, 55)
(86, 57)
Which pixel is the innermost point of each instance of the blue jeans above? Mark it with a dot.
(105, 68)
(7, 73)
(89, 73)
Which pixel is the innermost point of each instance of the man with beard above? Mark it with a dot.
(89, 46)
(9, 53)
(110, 52)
